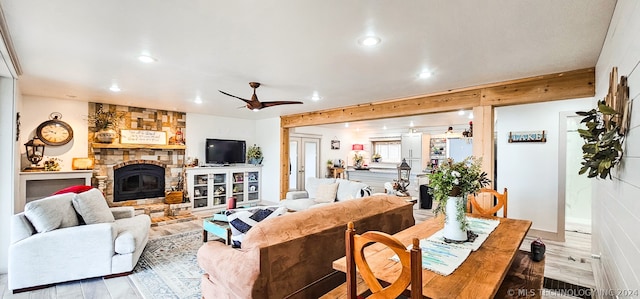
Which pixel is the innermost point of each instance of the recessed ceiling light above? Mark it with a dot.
(315, 97)
(198, 100)
(346, 125)
(114, 88)
(471, 115)
(384, 127)
(461, 112)
(424, 74)
(369, 41)
(411, 124)
(147, 59)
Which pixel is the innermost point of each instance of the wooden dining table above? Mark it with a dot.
(479, 276)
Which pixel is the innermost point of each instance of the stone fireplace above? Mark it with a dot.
(138, 179)
(109, 161)
(138, 175)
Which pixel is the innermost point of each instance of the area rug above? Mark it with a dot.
(168, 267)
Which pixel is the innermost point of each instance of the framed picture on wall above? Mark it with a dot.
(335, 144)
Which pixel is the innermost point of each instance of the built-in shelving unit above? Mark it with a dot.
(438, 150)
(209, 187)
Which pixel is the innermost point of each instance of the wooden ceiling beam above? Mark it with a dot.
(551, 87)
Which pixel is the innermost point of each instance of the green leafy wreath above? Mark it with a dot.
(602, 149)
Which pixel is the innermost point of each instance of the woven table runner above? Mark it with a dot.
(444, 258)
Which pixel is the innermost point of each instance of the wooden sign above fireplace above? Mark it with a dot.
(143, 137)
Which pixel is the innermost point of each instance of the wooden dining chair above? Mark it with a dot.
(411, 260)
(501, 202)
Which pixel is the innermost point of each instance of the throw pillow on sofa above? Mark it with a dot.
(348, 190)
(242, 220)
(326, 193)
(51, 213)
(92, 206)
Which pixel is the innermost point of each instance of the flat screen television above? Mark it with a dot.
(222, 151)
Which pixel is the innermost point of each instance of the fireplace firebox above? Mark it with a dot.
(138, 181)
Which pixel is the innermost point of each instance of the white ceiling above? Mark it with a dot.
(78, 48)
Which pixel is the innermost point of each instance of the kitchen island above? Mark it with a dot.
(377, 174)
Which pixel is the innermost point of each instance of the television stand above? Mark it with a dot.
(209, 187)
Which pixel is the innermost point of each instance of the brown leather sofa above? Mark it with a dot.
(288, 256)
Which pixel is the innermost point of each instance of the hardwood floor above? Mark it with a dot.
(568, 261)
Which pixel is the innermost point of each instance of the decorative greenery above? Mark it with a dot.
(254, 152)
(376, 157)
(329, 163)
(106, 119)
(457, 180)
(52, 164)
(602, 149)
(358, 159)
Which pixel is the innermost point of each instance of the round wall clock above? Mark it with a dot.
(54, 131)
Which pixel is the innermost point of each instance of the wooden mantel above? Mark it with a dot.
(482, 99)
(96, 145)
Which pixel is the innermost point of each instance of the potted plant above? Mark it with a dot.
(106, 123)
(450, 184)
(254, 155)
(376, 157)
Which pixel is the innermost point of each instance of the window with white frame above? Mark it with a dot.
(389, 151)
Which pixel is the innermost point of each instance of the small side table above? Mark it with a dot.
(336, 172)
(216, 227)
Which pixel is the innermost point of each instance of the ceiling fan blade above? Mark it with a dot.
(244, 100)
(276, 103)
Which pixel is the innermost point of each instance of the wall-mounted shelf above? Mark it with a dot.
(137, 146)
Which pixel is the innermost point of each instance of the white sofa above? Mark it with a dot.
(49, 245)
(302, 200)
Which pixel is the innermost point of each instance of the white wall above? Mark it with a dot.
(202, 126)
(36, 110)
(268, 138)
(326, 153)
(530, 170)
(615, 203)
(7, 167)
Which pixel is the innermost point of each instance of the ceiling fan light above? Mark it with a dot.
(256, 109)
(198, 100)
(114, 88)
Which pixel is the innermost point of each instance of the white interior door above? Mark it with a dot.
(577, 187)
(304, 160)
